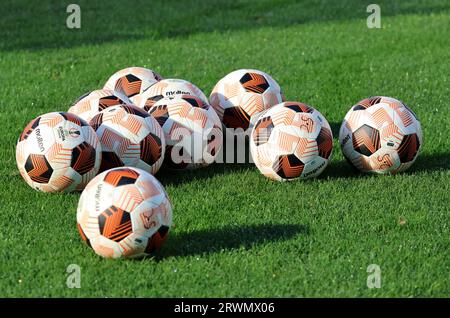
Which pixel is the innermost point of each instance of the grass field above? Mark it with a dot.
(237, 233)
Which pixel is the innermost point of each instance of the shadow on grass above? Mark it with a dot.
(38, 25)
(335, 127)
(227, 238)
(431, 163)
(171, 177)
(168, 177)
(424, 163)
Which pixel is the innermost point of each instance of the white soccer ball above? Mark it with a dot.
(291, 141)
(242, 95)
(129, 137)
(58, 152)
(124, 213)
(380, 135)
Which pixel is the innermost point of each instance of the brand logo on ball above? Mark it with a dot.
(39, 140)
(174, 93)
(74, 133)
(314, 170)
(61, 133)
(98, 192)
(146, 218)
(344, 141)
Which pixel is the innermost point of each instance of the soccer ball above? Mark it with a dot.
(380, 135)
(291, 140)
(124, 212)
(132, 81)
(90, 104)
(242, 95)
(169, 88)
(129, 137)
(192, 130)
(58, 152)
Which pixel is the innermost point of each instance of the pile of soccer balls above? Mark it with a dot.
(112, 141)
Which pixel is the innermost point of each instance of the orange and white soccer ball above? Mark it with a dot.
(124, 213)
(291, 141)
(58, 152)
(90, 104)
(169, 88)
(132, 81)
(192, 130)
(129, 137)
(242, 95)
(380, 135)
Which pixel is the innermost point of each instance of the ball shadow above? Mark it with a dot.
(174, 177)
(201, 242)
(424, 163)
(335, 126)
(430, 163)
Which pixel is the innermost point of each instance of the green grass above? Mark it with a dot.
(237, 233)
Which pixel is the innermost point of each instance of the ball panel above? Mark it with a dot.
(109, 161)
(22, 153)
(391, 136)
(40, 139)
(65, 179)
(127, 197)
(298, 107)
(96, 121)
(38, 168)
(129, 84)
(325, 142)
(133, 246)
(272, 97)
(157, 240)
(133, 110)
(146, 217)
(289, 167)
(160, 113)
(366, 140)
(307, 125)
(306, 149)
(314, 167)
(253, 82)
(115, 224)
(252, 103)
(83, 158)
(74, 119)
(105, 247)
(121, 176)
(151, 149)
(262, 130)
(408, 148)
(236, 117)
(366, 103)
(83, 235)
